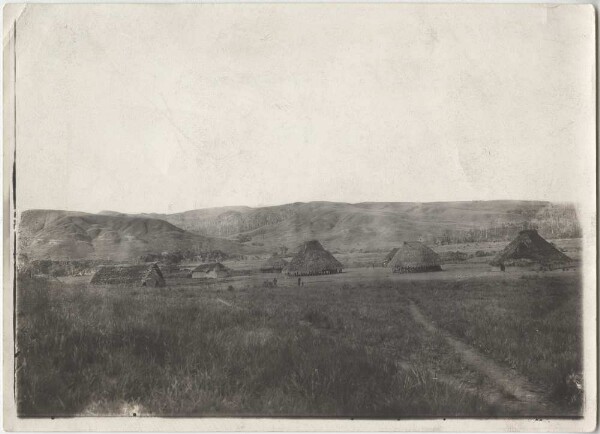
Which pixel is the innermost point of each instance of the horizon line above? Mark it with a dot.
(291, 203)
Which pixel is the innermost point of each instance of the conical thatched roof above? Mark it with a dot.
(529, 245)
(137, 275)
(274, 263)
(313, 259)
(213, 270)
(415, 256)
(213, 266)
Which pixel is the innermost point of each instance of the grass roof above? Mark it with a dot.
(414, 254)
(531, 246)
(275, 263)
(313, 258)
(212, 266)
(128, 275)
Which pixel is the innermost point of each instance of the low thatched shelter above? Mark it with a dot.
(415, 257)
(213, 270)
(311, 260)
(275, 264)
(133, 275)
(529, 247)
(389, 256)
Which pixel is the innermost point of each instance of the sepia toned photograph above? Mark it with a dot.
(362, 213)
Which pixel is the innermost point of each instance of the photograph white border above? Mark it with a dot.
(588, 423)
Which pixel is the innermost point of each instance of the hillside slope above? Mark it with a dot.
(51, 234)
(375, 225)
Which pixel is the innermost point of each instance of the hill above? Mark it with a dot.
(377, 225)
(59, 235)
(50, 234)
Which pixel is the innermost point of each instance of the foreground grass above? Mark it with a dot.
(319, 351)
(530, 323)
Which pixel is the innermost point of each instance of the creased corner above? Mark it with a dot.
(12, 13)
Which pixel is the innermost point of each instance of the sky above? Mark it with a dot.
(166, 108)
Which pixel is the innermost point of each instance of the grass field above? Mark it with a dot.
(362, 343)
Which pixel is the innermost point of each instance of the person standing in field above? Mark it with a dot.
(502, 267)
(299, 281)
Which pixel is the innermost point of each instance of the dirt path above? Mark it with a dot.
(489, 395)
(507, 381)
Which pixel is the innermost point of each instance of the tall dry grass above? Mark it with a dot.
(532, 324)
(185, 352)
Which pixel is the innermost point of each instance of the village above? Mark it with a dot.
(528, 251)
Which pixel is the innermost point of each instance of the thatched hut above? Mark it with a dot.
(134, 275)
(311, 260)
(415, 257)
(275, 264)
(389, 256)
(529, 247)
(214, 270)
